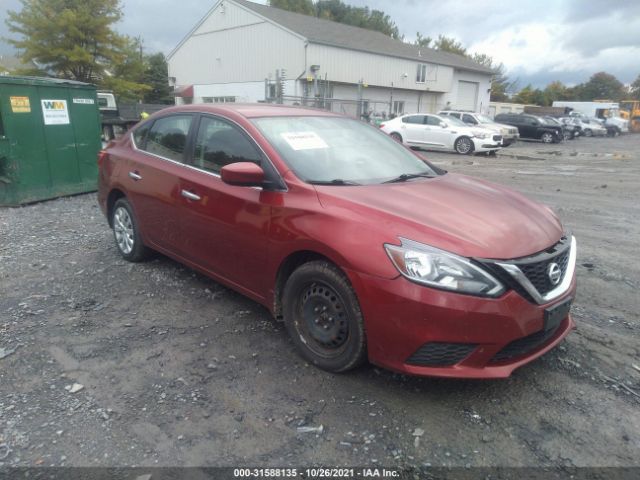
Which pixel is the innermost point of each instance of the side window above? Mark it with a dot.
(432, 120)
(417, 119)
(140, 135)
(457, 115)
(219, 143)
(168, 137)
(466, 118)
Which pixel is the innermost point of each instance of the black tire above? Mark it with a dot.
(547, 137)
(588, 133)
(323, 317)
(396, 136)
(463, 146)
(124, 224)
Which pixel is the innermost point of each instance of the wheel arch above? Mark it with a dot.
(114, 195)
(287, 266)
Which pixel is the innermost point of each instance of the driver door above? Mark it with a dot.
(438, 136)
(224, 226)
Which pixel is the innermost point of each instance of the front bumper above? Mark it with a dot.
(401, 317)
(486, 144)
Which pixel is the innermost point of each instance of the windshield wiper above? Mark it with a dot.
(408, 176)
(335, 181)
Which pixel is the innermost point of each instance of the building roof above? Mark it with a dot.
(336, 34)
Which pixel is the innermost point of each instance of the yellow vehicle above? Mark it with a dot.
(630, 110)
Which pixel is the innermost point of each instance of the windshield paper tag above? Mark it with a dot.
(304, 140)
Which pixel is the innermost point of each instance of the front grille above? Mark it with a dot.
(535, 269)
(537, 274)
(497, 138)
(524, 345)
(436, 354)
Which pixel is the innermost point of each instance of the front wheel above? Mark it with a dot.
(323, 317)
(463, 146)
(547, 137)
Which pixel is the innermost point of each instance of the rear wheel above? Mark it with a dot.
(323, 317)
(463, 146)
(396, 136)
(126, 232)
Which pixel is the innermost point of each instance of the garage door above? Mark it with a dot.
(467, 95)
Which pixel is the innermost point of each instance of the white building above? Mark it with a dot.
(238, 44)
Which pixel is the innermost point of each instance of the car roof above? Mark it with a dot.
(252, 110)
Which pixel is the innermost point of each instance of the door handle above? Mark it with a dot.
(136, 176)
(189, 195)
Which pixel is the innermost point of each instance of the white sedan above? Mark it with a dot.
(441, 133)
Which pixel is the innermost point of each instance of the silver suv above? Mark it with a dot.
(509, 133)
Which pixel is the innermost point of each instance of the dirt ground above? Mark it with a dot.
(177, 370)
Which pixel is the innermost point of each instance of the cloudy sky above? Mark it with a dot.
(538, 40)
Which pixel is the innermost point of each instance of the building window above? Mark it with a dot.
(421, 75)
(207, 99)
(398, 107)
(224, 99)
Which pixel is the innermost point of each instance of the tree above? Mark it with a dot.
(555, 91)
(305, 7)
(635, 88)
(338, 11)
(500, 83)
(421, 41)
(73, 38)
(602, 86)
(449, 44)
(530, 96)
(156, 77)
(127, 77)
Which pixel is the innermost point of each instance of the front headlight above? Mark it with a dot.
(440, 269)
(479, 134)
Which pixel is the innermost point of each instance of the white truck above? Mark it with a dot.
(607, 111)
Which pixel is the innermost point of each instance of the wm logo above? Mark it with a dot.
(53, 105)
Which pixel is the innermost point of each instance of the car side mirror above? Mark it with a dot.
(243, 174)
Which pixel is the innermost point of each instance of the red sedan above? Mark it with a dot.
(362, 248)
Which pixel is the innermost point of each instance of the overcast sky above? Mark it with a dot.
(538, 40)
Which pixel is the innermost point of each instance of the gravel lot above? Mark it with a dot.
(178, 370)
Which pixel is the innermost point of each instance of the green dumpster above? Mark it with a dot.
(49, 138)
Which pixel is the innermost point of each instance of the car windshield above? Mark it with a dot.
(551, 120)
(484, 119)
(339, 151)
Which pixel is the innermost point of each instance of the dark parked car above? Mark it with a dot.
(569, 130)
(532, 127)
(361, 247)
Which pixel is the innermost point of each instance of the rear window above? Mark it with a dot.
(168, 137)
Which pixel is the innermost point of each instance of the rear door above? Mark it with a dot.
(224, 226)
(413, 129)
(152, 178)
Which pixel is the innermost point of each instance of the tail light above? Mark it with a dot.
(102, 156)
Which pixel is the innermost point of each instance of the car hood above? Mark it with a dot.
(460, 214)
